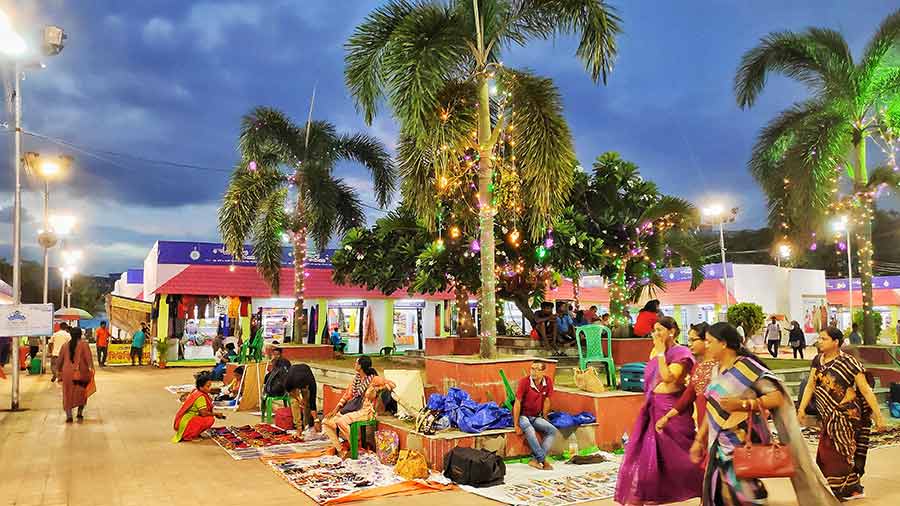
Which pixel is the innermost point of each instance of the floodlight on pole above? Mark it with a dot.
(717, 213)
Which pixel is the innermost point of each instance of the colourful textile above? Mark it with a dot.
(846, 423)
(693, 394)
(677, 354)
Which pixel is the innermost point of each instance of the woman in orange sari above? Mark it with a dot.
(196, 413)
(76, 373)
(357, 403)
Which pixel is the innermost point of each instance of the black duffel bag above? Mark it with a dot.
(478, 468)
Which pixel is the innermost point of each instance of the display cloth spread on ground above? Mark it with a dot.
(565, 484)
(329, 479)
(263, 440)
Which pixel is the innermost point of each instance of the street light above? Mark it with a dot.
(717, 213)
(842, 224)
(784, 252)
(68, 272)
(48, 167)
(13, 46)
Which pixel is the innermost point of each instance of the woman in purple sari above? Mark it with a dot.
(657, 468)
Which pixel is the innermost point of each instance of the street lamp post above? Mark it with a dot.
(843, 225)
(13, 46)
(718, 213)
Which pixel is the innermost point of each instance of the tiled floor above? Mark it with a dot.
(121, 454)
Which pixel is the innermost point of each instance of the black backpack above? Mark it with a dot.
(478, 468)
(275, 381)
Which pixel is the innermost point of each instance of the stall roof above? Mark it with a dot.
(676, 292)
(882, 297)
(246, 282)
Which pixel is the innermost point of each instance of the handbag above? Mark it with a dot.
(752, 461)
(588, 380)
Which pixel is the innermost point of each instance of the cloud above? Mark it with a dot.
(158, 32)
(210, 22)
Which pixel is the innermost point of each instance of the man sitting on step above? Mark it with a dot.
(530, 413)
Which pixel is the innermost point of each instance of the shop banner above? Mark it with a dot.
(409, 304)
(120, 353)
(710, 271)
(346, 304)
(20, 320)
(117, 301)
(207, 253)
(134, 276)
(878, 282)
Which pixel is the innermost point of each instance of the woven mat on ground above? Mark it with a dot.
(565, 484)
(330, 480)
(263, 440)
(180, 389)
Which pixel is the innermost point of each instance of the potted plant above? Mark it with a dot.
(162, 351)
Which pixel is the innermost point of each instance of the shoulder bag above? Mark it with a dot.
(772, 460)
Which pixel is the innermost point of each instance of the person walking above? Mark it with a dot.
(102, 344)
(57, 341)
(855, 338)
(797, 339)
(137, 344)
(702, 374)
(847, 406)
(773, 337)
(738, 400)
(656, 468)
(76, 372)
(530, 412)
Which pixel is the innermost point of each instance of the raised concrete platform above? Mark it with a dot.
(438, 346)
(625, 350)
(481, 378)
(307, 352)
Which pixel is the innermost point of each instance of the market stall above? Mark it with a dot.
(126, 315)
(408, 325)
(347, 317)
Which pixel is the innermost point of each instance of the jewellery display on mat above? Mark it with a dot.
(330, 477)
(261, 440)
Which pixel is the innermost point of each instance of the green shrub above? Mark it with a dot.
(748, 315)
(877, 321)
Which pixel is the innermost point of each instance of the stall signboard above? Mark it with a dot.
(120, 354)
(409, 304)
(20, 320)
(272, 321)
(207, 253)
(346, 304)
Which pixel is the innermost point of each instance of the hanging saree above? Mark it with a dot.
(748, 379)
(189, 424)
(656, 468)
(846, 421)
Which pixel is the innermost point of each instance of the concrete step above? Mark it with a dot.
(517, 341)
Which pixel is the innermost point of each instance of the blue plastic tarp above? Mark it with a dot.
(469, 416)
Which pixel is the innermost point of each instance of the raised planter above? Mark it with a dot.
(627, 350)
(480, 377)
(435, 346)
(307, 352)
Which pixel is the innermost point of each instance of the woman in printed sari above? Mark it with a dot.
(357, 403)
(846, 406)
(744, 386)
(196, 413)
(656, 468)
(700, 378)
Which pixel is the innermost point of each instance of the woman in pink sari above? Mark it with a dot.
(196, 412)
(657, 468)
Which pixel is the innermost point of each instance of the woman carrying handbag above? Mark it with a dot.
(77, 373)
(737, 402)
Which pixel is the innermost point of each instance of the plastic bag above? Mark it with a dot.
(584, 418)
(436, 402)
(387, 446)
(562, 420)
(487, 416)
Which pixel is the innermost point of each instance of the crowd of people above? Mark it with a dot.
(670, 457)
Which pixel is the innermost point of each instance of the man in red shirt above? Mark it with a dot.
(530, 413)
(102, 344)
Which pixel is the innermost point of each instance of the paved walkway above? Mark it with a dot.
(121, 454)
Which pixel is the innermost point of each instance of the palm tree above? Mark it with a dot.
(801, 153)
(438, 65)
(642, 230)
(284, 189)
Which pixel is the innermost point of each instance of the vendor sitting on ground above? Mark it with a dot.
(232, 390)
(301, 387)
(357, 403)
(196, 413)
(530, 414)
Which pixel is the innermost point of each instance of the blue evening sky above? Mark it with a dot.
(170, 79)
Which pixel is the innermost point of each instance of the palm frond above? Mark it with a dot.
(678, 208)
(371, 153)
(426, 50)
(267, 237)
(245, 193)
(886, 38)
(594, 21)
(332, 207)
(542, 145)
(267, 135)
(687, 247)
(818, 58)
(884, 176)
(415, 163)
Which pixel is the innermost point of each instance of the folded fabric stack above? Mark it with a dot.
(467, 415)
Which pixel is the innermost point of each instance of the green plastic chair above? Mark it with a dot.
(355, 433)
(593, 336)
(267, 406)
(510, 393)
